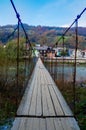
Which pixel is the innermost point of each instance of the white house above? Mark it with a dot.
(78, 53)
(70, 52)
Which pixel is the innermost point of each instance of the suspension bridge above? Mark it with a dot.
(42, 106)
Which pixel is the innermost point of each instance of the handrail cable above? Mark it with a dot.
(18, 17)
(78, 17)
(76, 47)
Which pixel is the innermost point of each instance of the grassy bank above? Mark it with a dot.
(10, 94)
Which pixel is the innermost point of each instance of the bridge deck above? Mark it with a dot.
(42, 106)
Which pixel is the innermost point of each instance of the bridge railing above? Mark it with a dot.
(64, 68)
(16, 66)
(28, 55)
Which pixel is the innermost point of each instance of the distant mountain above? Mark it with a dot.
(44, 35)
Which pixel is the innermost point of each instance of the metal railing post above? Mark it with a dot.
(63, 64)
(17, 75)
(75, 63)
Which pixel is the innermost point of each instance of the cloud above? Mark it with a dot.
(65, 25)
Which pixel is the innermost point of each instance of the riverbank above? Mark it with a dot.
(65, 60)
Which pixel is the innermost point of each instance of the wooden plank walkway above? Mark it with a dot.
(42, 106)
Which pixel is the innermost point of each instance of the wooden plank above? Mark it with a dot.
(64, 123)
(73, 124)
(49, 100)
(66, 110)
(58, 124)
(29, 124)
(67, 125)
(22, 124)
(25, 96)
(58, 108)
(25, 102)
(39, 96)
(44, 98)
(44, 102)
(16, 124)
(50, 124)
(55, 104)
(36, 125)
(65, 107)
(62, 102)
(26, 107)
(42, 124)
(70, 123)
(32, 110)
(45, 124)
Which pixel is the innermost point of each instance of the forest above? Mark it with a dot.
(44, 35)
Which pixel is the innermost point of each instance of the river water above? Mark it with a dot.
(67, 71)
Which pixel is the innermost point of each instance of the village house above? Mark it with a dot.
(78, 53)
(70, 52)
(46, 51)
(42, 50)
(58, 51)
(50, 53)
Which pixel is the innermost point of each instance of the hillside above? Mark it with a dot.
(44, 35)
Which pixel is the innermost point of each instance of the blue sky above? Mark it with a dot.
(43, 12)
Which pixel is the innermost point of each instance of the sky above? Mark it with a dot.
(59, 13)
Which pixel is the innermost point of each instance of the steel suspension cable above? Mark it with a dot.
(77, 18)
(18, 17)
(75, 63)
(76, 47)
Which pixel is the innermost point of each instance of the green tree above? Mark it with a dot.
(2, 55)
(11, 48)
(43, 40)
(64, 52)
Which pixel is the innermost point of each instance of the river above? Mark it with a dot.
(67, 71)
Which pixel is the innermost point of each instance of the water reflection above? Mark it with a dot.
(67, 71)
